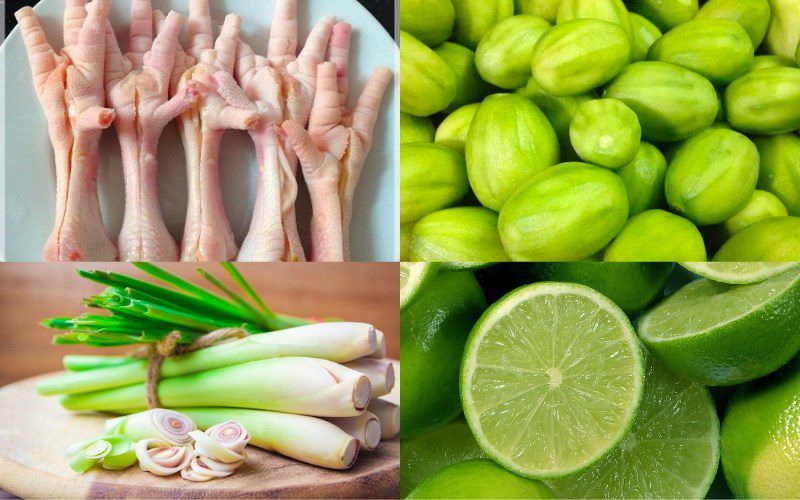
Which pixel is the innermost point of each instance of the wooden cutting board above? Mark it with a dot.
(35, 431)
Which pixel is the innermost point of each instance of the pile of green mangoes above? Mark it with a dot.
(635, 130)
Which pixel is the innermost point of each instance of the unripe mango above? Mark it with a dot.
(429, 21)
(432, 177)
(454, 129)
(753, 15)
(666, 14)
(427, 84)
(765, 101)
(504, 54)
(470, 88)
(474, 18)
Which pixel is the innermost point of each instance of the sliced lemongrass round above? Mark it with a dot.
(161, 458)
(207, 446)
(231, 434)
(122, 454)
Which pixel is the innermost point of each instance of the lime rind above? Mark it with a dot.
(738, 273)
(709, 297)
(413, 277)
(619, 364)
(672, 450)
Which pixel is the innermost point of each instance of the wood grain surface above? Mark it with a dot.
(35, 430)
(367, 292)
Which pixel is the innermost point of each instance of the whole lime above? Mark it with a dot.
(479, 478)
(632, 286)
(434, 329)
(568, 212)
(776, 239)
(657, 236)
(761, 437)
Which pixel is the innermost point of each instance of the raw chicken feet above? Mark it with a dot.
(70, 89)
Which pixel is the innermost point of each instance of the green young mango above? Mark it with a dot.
(765, 101)
(406, 231)
(429, 21)
(768, 61)
(415, 128)
(776, 239)
(470, 87)
(613, 11)
(780, 169)
(753, 15)
(509, 141)
(644, 34)
(568, 212)
(580, 55)
(657, 236)
(504, 53)
(432, 177)
(460, 234)
(666, 14)
(453, 129)
(427, 84)
(672, 103)
(718, 49)
(762, 205)
(558, 110)
(644, 179)
(474, 18)
(546, 9)
(605, 132)
(783, 33)
(712, 176)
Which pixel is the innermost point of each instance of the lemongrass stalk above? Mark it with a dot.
(365, 428)
(388, 415)
(308, 439)
(338, 342)
(307, 386)
(380, 352)
(79, 363)
(165, 425)
(380, 373)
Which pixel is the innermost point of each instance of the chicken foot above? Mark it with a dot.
(222, 105)
(137, 84)
(70, 89)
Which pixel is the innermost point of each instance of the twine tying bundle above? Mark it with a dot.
(168, 347)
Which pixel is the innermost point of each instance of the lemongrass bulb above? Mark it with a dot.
(365, 428)
(380, 373)
(308, 439)
(161, 458)
(380, 350)
(166, 425)
(306, 386)
(388, 415)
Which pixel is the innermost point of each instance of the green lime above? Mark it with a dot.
(551, 379)
(720, 334)
(427, 454)
(761, 437)
(738, 272)
(632, 286)
(413, 278)
(433, 331)
(479, 478)
(671, 452)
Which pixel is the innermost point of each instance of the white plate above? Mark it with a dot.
(29, 165)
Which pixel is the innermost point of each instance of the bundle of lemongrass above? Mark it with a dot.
(310, 391)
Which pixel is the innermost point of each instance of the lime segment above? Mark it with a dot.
(551, 379)
(413, 277)
(671, 452)
(719, 334)
(738, 272)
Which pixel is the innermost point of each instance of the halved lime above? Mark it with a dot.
(738, 272)
(413, 277)
(671, 452)
(426, 455)
(551, 379)
(719, 334)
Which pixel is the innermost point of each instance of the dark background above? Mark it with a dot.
(382, 10)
